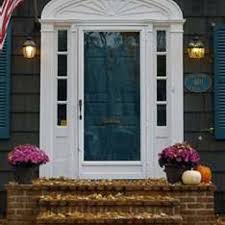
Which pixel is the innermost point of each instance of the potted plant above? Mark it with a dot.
(26, 159)
(176, 159)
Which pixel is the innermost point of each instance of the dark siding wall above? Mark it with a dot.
(199, 110)
(25, 91)
(199, 14)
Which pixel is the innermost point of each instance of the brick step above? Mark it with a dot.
(99, 199)
(3, 222)
(147, 186)
(109, 203)
(89, 186)
(112, 218)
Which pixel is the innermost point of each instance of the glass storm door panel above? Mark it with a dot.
(111, 96)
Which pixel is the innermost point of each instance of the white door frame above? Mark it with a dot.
(113, 169)
(61, 143)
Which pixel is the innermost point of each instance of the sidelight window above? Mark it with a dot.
(62, 78)
(161, 55)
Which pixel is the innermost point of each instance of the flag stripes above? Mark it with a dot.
(6, 11)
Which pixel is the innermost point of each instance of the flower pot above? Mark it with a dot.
(25, 174)
(174, 173)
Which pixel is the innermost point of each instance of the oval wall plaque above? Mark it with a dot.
(198, 83)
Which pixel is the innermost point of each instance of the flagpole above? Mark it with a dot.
(37, 23)
(36, 11)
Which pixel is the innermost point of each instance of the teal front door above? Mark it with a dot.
(111, 96)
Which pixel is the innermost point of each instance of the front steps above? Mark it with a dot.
(108, 209)
(86, 202)
(108, 203)
(105, 203)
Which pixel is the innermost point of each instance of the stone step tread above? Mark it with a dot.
(64, 184)
(83, 218)
(99, 199)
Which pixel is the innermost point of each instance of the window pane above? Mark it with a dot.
(62, 65)
(161, 41)
(161, 66)
(112, 96)
(62, 90)
(62, 40)
(161, 115)
(161, 90)
(62, 118)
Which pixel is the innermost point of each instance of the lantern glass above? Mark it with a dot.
(196, 49)
(29, 49)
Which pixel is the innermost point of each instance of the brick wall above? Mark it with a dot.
(196, 206)
(21, 205)
(196, 202)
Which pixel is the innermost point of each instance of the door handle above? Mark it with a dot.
(80, 109)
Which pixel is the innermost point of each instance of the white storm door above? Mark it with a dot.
(111, 102)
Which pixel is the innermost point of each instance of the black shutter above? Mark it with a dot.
(219, 87)
(5, 56)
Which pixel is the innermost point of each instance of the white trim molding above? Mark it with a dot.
(176, 74)
(112, 10)
(64, 144)
(47, 76)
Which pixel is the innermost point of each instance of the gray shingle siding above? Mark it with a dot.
(199, 110)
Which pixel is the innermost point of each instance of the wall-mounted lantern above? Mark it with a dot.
(29, 48)
(196, 49)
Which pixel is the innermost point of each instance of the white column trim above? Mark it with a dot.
(176, 91)
(47, 119)
(149, 87)
(73, 90)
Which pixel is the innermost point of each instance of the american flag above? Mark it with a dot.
(6, 11)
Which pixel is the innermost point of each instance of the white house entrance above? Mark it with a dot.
(111, 86)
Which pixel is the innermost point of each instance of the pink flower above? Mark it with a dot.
(27, 155)
(180, 154)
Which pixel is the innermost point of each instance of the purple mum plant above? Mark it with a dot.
(27, 155)
(180, 154)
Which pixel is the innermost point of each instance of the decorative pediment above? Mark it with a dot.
(112, 9)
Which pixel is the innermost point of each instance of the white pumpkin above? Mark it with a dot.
(191, 177)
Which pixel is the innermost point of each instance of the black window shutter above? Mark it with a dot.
(219, 82)
(5, 56)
